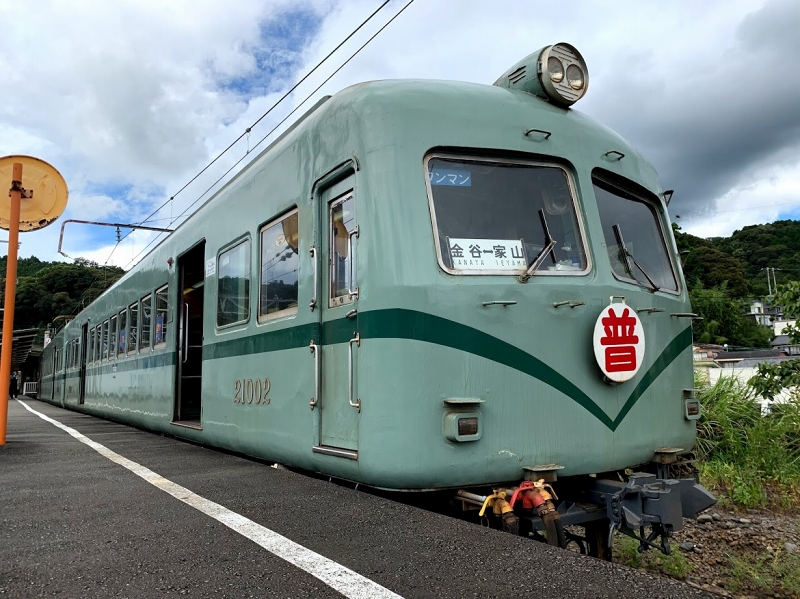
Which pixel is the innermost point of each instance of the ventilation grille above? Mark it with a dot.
(517, 75)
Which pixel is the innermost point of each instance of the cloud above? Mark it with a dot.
(719, 119)
(131, 99)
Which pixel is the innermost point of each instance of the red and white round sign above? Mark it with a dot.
(619, 342)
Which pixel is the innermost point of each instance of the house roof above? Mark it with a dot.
(753, 362)
(781, 340)
(21, 344)
(741, 355)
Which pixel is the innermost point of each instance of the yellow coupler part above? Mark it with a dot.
(501, 508)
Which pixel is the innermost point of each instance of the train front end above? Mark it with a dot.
(549, 337)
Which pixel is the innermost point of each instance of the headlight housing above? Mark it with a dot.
(555, 62)
(555, 73)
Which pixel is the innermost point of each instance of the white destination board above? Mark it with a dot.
(487, 254)
(211, 267)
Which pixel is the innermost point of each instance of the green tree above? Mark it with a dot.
(49, 289)
(724, 319)
(773, 378)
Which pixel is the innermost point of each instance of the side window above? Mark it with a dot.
(233, 285)
(342, 221)
(105, 340)
(112, 338)
(123, 331)
(280, 262)
(97, 343)
(146, 319)
(133, 323)
(160, 338)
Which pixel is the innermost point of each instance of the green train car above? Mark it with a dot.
(427, 286)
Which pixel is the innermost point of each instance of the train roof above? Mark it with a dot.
(370, 101)
(380, 112)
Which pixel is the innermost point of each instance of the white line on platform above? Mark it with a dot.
(342, 579)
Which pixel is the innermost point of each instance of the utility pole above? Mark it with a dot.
(773, 281)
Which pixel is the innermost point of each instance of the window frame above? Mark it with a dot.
(97, 339)
(244, 239)
(624, 187)
(124, 311)
(334, 301)
(163, 343)
(286, 313)
(576, 205)
(145, 345)
(113, 330)
(135, 349)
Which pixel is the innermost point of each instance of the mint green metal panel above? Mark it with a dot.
(425, 335)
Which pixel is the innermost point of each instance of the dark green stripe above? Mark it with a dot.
(419, 326)
(291, 338)
(409, 324)
(672, 351)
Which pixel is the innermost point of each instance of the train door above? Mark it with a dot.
(339, 401)
(188, 313)
(84, 357)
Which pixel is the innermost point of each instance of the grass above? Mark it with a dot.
(749, 459)
(674, 565)
(767, 573)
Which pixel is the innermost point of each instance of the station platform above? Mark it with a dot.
(99, 509)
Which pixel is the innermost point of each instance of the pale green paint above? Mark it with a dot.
(388, 127)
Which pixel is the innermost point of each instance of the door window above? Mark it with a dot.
(342, 231)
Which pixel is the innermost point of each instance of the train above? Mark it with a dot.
(462, 289)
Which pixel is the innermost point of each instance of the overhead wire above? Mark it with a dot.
(247, 131)
(271, 131)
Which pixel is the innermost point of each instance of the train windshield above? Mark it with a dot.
(636, 245)
(504, 217)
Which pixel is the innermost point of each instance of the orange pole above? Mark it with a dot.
(11, 290)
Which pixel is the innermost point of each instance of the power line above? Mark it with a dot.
(757, 207)
(276, 127)
(258, 120)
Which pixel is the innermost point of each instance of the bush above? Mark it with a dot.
(752, 459)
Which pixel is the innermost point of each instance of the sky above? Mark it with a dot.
(130, 99)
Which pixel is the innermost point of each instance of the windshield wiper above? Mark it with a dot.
(630, 258)
(547, 249)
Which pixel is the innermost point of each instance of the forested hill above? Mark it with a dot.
(740, 258)
(46, 290)
(725, 274)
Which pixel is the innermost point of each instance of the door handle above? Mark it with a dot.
(313, 303)
(357, 403)
(355, 232)
(317, 351)
(185, 332)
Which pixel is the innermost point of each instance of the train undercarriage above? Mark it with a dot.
(648, 505)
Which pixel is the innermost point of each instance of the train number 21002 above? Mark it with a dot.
(250, 391)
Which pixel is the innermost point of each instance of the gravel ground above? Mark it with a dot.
(736, 554)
